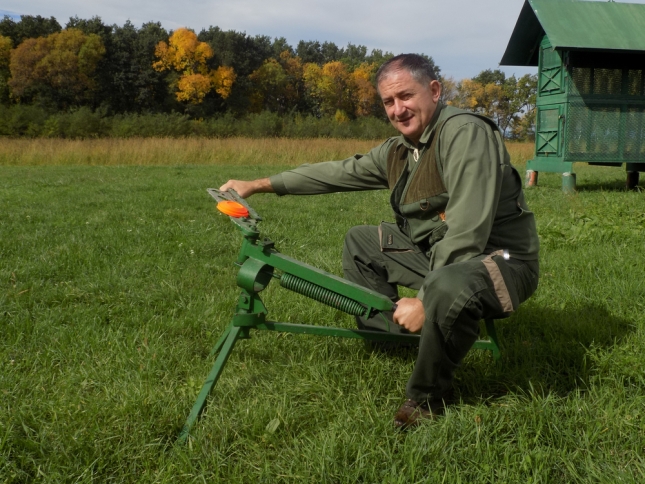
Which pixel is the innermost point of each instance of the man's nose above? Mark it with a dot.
(399, 107)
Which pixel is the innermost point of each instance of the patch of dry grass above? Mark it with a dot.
(172, 151)
(520, 152)
(192, 151)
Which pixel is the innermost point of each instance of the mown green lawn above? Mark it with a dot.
(115, 282)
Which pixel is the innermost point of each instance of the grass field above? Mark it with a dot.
(117, 277)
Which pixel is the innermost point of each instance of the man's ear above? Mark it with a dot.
(435, 89)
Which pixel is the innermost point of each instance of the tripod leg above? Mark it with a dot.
(221, 341)
(492, 335)
(212, 378)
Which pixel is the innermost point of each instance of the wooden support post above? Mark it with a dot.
(569, 182)
(531, 178)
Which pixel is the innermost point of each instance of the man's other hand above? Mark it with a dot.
(247, 188)
(410, 314)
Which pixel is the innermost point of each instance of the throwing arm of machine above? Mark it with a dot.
(259, 263)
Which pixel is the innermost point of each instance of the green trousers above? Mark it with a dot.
(455, 298)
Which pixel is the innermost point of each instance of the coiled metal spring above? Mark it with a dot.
(320, 294)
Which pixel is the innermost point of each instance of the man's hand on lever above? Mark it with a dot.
(409, 314)
(247, 188)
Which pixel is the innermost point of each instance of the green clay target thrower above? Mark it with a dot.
(259, 263)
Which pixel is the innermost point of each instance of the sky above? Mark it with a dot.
(463, 37)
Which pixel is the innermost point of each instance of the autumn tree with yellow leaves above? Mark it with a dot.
(329, 86)
(280, 85)
(476, 96)
(5, 56)
(363, 94)
(61, 65)
(187, 56)
(510, 102)
(341, 92)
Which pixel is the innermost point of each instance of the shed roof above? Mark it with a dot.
(574, 24)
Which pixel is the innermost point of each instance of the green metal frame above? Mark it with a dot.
(258, 260)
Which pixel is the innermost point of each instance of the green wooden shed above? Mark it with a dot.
(591, 90)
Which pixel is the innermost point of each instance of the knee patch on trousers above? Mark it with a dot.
(502, 280)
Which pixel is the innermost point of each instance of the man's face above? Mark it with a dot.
(409, 104)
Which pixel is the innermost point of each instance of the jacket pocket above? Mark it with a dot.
(391, 239)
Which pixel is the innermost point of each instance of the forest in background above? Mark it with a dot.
(89, 79)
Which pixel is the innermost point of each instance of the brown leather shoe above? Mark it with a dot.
(411, 414)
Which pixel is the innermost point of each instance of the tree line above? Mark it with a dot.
(124, 70)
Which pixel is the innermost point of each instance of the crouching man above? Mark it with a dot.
(464, 236)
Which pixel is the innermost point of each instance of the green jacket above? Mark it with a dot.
(484, 204)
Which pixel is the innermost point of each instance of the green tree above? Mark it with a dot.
(518, 105)
(278, 84)
(28, 27)
(135, 85)
(330, 52)
(354, 55)
(310, 51)
(378, 57)
(489, 76)
(91, 26)
(105, 69)
(279, 46)
(244, 54)
(523, 126)
(126, 79)
(270, 84)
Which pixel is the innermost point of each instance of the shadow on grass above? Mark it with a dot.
(588, 180)
(543, 349)
(600, 186)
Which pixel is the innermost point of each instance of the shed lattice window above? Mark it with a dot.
(547, 134)
(550, 73)
(606, 120)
